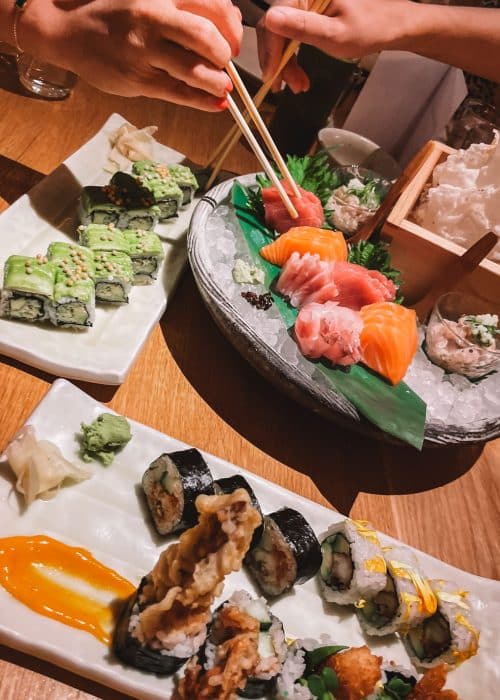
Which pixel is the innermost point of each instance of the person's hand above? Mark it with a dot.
(348, 29)
(173, 50)
(271, 46)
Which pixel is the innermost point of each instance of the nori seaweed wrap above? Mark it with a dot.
(230, 484)
(140, 210)
(186, 180)
(113, 276)
(95, 207)
(288, 552)
(171, 484)
(28, 288)
(146, 253)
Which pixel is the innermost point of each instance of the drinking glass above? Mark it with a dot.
(44, 79)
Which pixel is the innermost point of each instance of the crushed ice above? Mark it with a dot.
(451, 399)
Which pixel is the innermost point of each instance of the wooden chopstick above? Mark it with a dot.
(233, 136)
(454, 272)
(372, 224)
(254, 144)
(261, 127)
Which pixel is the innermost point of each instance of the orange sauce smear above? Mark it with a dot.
(25, 563)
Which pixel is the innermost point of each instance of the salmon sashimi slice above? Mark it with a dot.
(329, 245)
(308, 206)
(389, 339)
(308, 279)
(331, 331)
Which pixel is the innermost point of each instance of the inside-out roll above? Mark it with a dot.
(353, 564)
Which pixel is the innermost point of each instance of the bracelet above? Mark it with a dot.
(19, 7)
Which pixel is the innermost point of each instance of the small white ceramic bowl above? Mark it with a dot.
(347, 148)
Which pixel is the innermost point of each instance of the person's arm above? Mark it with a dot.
(173, 50)
(466, 37)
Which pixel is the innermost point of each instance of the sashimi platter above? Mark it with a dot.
(325, 320)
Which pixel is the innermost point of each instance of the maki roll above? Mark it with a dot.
(230, 484)
(113, 277)
(166, 620)
(172, 484)
(244, 651)
(186, 180)
(405, 601)
(353, 565)
(156, 178)
(28, 288)
(74, 293)
(287, 553)
(448, 636)
(95, 207)
(140, 211)
(100, 237)
(146, 253)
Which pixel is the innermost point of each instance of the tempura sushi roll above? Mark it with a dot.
(256, 635)
(146, 253)
(158, 179)
(100, 237)
(405, 601)
(113, 276)
(95, 207)
(28, 288)
(140, 210)
(172, 484)
(186, 180)
(74, 300)
(353, 564)
(230, 484)
(287, 553)
(448, 636)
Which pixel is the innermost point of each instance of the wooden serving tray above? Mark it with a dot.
(421, 254)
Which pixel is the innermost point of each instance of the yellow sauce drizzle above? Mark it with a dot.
(471, 650)
(454, 598)
(366, 532)
(376, 565)
(30, 566)
(427, 598)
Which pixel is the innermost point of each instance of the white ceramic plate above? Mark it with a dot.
(105, 352)
(105, 516)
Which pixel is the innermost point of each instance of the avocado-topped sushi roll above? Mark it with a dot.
(100, 237)
(230, 484)
(287, 553)
(28, 288)
(448, 636)
(403, 603)
(353, 564)
(146, 253)
(74, 300)
(186, 180)
(113, 276)
(140, 210)
(156, 178)
(172, 484)
(95, 207)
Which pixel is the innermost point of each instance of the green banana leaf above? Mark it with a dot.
(397, 410)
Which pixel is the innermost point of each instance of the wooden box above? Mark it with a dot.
(421, 254)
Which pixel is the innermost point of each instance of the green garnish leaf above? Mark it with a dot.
(315, 657)
(327, 696)
(395, 689)
(330, 678)
(316, 685)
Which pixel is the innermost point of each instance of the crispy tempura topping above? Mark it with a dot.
(430, 686)
(358, 670)
(237, 637)
(189, 575)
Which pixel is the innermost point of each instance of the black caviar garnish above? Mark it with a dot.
(261, 301)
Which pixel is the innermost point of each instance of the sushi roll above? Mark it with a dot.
(404, 602)
(287, 553)
(172, 484)
(100, 237)
(113, 276)
(140, 210)
(146, 253)
(166, 620)
(156, 178)
(448, 636)
(230, 484)
(245, 647)
(95, 207)
(186, 180)
(74, 292)
(353, 564)
(28, 288)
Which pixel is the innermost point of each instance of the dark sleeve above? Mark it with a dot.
(252, 10)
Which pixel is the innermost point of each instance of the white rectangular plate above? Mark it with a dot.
(105, 352)
(104, 515)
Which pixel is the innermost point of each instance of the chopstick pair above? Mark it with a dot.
(232, 137)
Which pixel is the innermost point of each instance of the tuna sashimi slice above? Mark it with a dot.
(331, 331)
(308, 206)
(358, 286)
(389, 339)
(329, 245)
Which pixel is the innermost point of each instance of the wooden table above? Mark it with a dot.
(445, 502)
